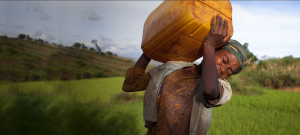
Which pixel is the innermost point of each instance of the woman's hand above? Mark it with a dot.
(218, 33)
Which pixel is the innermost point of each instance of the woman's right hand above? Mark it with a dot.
(218, 34)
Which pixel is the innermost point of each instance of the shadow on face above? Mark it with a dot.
(226, 63)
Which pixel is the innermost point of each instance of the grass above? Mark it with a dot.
(83, 91)
(90, 107)
(68, 107)
(275, 112)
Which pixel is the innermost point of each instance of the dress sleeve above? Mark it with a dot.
(136, 79)
(225, 94)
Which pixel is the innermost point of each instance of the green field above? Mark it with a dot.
(95, 106)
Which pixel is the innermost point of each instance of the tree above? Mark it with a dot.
(83, 46)
(77, 45)
(95, 42)
(92, 49)
(250, 54)
(109, 53)
(53, 43)
(22, 36)
(28, 37)
(39, 40)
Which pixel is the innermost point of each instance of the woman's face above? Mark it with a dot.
(227, 64)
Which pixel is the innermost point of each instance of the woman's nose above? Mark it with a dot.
(222, 68)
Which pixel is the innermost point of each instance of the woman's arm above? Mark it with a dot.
(142, 62)
(207, 69)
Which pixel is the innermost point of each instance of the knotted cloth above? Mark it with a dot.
(238, 51)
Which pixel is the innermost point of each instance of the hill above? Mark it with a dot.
(28, 60)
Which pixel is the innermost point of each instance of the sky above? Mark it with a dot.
(271, 28)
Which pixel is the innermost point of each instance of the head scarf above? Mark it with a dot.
(238, 51)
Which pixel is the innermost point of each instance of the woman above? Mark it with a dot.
(180, 95)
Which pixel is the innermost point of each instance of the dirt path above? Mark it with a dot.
(294, 89)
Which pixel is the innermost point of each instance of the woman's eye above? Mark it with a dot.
(229, 72)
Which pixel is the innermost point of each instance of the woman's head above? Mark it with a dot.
(230, 59)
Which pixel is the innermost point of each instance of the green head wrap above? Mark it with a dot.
(238, 51)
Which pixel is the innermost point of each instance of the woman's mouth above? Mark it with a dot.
(220, 72)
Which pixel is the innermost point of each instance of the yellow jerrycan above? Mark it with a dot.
(175, 30)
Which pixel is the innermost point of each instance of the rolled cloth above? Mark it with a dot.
(238, 51)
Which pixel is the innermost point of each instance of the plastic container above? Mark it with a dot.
(175, 30)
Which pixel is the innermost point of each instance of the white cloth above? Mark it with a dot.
(201, 115)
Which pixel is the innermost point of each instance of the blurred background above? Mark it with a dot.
(62, 66)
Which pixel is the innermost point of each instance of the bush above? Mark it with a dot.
(11, 51)
(275, 73)
(76, 45)
(262, 64)
(80, 63)
(109, 53)
(126, 97)
(288, 59)
(129, 60)
(83, 46)
(39, 41)
(239, 87)
(29, 66)
(102, 74)
(5, 37)
(22, 36)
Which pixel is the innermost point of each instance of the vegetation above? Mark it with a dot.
(275, 112)
(92, 49)
(96, 44)
(77, 45)
(99, 106)
(274, 73)
(93, 106)
(27, 60)
(250, 54)
(22, 36)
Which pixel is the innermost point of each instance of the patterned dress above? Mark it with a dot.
(175, 100)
